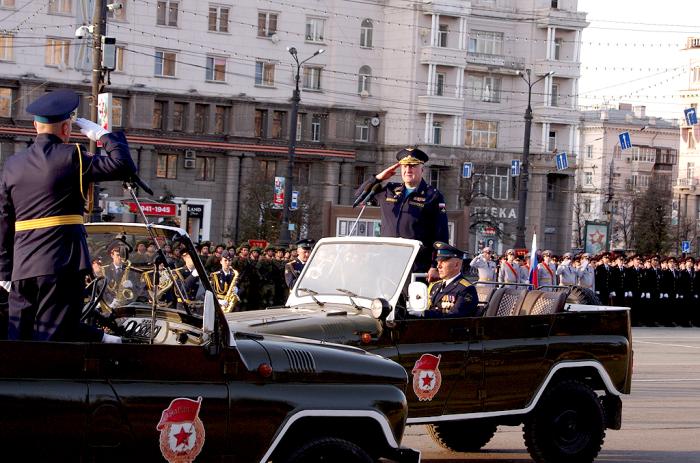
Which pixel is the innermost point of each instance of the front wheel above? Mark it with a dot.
(462, 436)
(568, 425)
(331, 450)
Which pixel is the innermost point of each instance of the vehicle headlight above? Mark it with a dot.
(380, 308)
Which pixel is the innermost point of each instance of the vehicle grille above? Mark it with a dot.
(300, 361)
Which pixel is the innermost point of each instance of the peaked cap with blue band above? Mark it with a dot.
(446, 251)
(54, 107)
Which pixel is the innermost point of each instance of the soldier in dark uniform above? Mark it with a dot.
(293, 268)
(634, 288)
(412, 209)
(43, 192)
(268, 270)
(247, 279)
(452, 295)
(603, 279)
(281, 288)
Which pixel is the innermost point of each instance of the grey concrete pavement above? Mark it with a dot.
(661, 417)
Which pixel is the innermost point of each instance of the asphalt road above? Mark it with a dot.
(660, 418)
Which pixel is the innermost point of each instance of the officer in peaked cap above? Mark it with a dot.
(452, 295)
(410, 209)
(293, 269)
(43, 193)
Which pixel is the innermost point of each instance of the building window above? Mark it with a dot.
(267, 24)
(167, 13)
(437, 133)
(640, 181)
(490, 43)
(555, 95)
(312, 78)
(216, 69)
(302, 173)
(117, 107)
(480, 134)
(268, 169)
(484, 88)
(260, 123)
(60, 6)
(363, 80)
(7, 3)
(551, 188)
(264, 74)
(165, 63)
(366, 33)
(362, 130)
(5, 102)
(589, 151)
(360, 173)
(494, 183)
(201, 119)
(218, 18)
(587, 206)
(221, 116)
(57, 52)
(316, 128)
(552, 141)
(278, 124)
(166, 166)
(314, 29)
(588, 178)
(557, 48)
(6, 47)
(434, 180)
(440, 79)
(119, 62)
(555, 3)
(442, 36)
(643, 154)
(158, 115)
(206, 168)
(179, 117)
(118, 14)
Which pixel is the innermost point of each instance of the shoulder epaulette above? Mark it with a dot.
(464, 282)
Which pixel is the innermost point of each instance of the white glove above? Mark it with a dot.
(612, 294)
(6, 285)
(127, 284)
(628, 293)
(680, 296)
(648, 295)
(597, 293)
(111, 339)
(91, 130)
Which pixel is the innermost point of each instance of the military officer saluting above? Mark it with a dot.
(452, 295)
(485, 265)
(43, 192)
(510, 270)
(566, 272)
(293, 269)
(411, 209)
(546, 270)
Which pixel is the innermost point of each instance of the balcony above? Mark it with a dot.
(447, 7)
(555, 114)
(477, 61)
(686, 184)
(443, 56)
(440, 105)
(562, 69)
(562, 19)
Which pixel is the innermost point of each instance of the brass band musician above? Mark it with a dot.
(224, 283)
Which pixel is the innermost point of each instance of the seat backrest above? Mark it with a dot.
(484, 292)
(506, 301)
(539, 302)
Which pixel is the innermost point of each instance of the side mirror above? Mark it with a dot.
(417, 298)
(209, 316)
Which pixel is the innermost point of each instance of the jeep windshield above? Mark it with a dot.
(363, 266)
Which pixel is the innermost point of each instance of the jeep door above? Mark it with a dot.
(131, 385)
(43, 398)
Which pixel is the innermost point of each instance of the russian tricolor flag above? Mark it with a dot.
(533, 262)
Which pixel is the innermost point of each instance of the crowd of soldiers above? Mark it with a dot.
(660, 291)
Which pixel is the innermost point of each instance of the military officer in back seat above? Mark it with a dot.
(293, 269)
(452, 295)
(43, 193)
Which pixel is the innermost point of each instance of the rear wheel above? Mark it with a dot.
(331, 450)
(579, 295)
(568, 425)
(462, 436)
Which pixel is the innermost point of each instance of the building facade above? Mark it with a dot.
(203, 91)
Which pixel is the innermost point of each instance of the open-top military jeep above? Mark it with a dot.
(185, 386)
(533, 358)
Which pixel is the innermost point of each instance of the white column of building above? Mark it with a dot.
(577, 46)
(457, 134)
(552, 43)
(574, 96)
(548, 90)
(462, 33)
(434, 30)
(545, 136)
(428, 126)
(550, 39)
(231, 200)
(331, 188)
(459, 84)
(431, 79)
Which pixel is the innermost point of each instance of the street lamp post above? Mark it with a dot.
(524, 164)
(285, 236)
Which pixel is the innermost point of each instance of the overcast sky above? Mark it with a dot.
(631, 53)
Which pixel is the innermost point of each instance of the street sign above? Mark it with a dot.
(294, 203)
(625, 141)
(157, 209)
(467, 169)
(562, 161)
(514, 168)
(691, 116)
(262, 244)
(685, 246)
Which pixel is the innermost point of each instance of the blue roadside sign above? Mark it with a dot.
(514, 167)
(294, 203)
(562, 161)
(467, 169)
(625, 141)
(691, 116)
(685, 246)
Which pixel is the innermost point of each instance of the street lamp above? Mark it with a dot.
(285, 236)
(524, 167)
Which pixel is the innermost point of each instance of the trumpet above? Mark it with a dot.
(230, 299)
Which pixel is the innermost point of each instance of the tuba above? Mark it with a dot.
(165, 282)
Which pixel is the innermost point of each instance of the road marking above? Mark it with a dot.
(664, 344)
(674, 380)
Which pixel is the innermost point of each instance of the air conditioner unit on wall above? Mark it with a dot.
(190, 163)
(190, 154)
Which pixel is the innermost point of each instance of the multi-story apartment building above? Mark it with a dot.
(610, 179)
(687, 188)
(203, 90)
